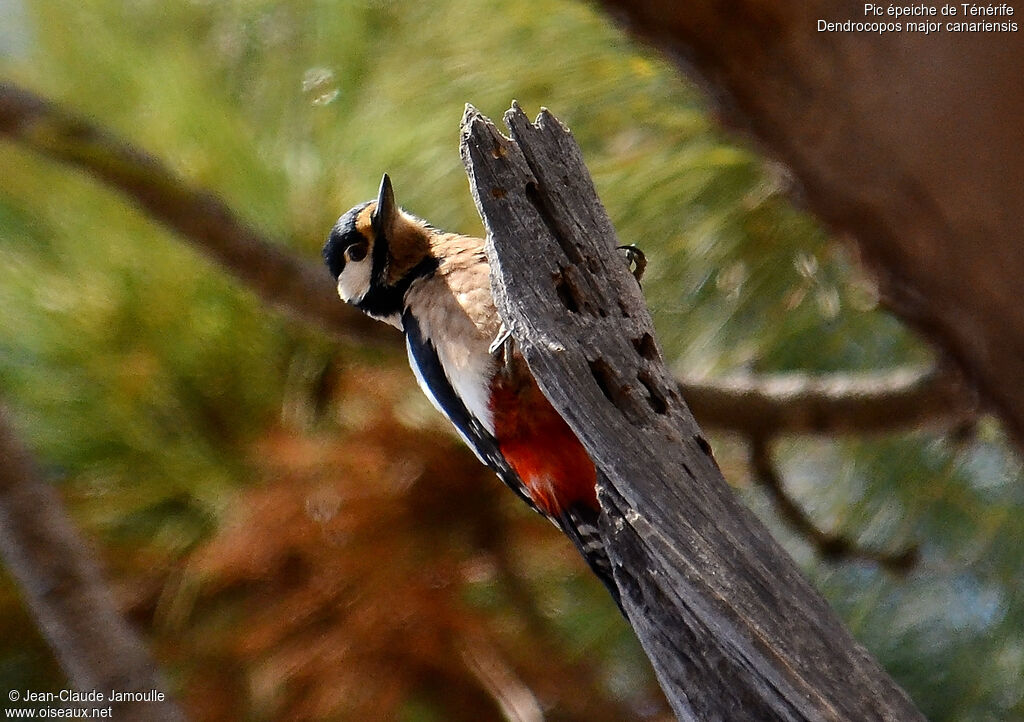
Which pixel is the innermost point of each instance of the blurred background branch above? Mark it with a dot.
(791, 403)
(280, 278)
(839, 403)
(879, 159)
(830, 545)
(65, 589)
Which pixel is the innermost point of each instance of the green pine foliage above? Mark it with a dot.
(141, 375)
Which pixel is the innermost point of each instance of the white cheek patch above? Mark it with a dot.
(354, 281)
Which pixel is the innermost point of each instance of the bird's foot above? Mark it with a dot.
(499, 341)
(503, 346)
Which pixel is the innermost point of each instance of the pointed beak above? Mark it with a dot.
(386, 207)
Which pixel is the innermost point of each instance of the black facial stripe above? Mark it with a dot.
(379, 258)
(382, 300)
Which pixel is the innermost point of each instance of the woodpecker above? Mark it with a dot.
(435, 287)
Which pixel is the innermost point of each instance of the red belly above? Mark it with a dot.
(540, 446)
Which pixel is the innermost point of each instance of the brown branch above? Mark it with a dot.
(882, 134)
(64, 589)
(829, 545)
(280, 277)
(752, 404)
(839, 403)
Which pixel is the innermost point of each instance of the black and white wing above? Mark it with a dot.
(579, 523)
(431, 376)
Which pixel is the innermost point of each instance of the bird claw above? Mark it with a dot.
(503, 346)
(636, 259)
(503, 335)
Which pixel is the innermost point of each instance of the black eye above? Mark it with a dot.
(356, 252)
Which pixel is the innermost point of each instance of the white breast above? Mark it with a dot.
(461, 338)
(470, 374)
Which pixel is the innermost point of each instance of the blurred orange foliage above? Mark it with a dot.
(377, 568)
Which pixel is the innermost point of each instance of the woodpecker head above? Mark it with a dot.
(375, 251)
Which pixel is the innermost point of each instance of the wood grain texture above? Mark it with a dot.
(732, 628)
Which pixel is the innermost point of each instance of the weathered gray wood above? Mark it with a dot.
(732, 628)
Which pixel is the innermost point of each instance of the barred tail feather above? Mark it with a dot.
(580, 524)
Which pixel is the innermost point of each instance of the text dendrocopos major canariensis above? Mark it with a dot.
(435, 287)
